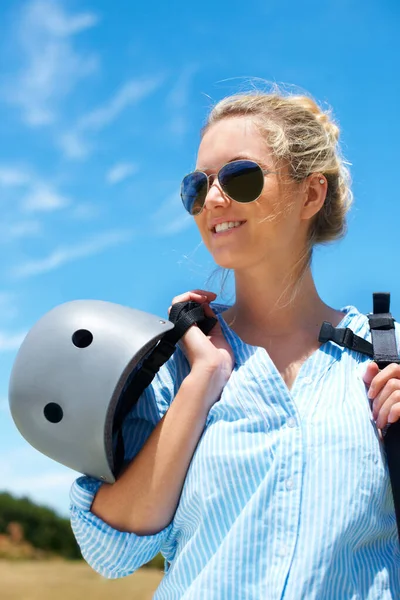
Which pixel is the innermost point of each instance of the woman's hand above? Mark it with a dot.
(211, 353)
(384, 391)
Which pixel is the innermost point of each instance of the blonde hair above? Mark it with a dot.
(304, 136)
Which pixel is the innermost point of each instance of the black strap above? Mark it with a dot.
(385, 352)
(183, 315)
(383, 333)
(346, 338)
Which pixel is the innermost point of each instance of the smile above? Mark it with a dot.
(227, 227)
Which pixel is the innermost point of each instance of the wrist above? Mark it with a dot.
(208, 378)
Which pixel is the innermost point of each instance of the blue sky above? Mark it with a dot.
(100, 109)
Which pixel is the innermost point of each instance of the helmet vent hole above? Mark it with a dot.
(53, 412)
(82, 338)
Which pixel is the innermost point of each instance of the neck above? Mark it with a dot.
(269, 304)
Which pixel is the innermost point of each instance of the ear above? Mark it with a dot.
(316, 187)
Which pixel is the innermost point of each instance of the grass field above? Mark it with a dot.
(62, 580)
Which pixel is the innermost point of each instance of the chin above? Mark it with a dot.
(228, 262)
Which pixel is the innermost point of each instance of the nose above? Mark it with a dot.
(216, 196)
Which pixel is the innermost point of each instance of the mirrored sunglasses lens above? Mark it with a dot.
(242, 180)
(194, 192)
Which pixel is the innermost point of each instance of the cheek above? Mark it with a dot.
(276, 208)
(266, 212)
(203, 229)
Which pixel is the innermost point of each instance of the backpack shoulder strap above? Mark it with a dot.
(384, 344)
(383, 351)
(383, 332)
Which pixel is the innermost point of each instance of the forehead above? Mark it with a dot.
(232, 138)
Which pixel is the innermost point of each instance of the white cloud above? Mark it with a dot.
(64, 255)
(74, 146)
(11, 341)
(74, 142)
(85, 212)
(41, 195)
(171, 217)
(13, 176)
(178, 101)
(8, 308)
(175, 225)
(19, 230)
(121, 171)
(130, 93)
(43, 198)
(52, 66)
(178, 98)
(59, 23)
(43, 482)
(27, 472)
(178, 126)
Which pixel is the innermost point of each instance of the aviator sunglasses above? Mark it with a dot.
(241, 180)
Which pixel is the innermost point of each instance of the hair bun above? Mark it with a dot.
(323, 117)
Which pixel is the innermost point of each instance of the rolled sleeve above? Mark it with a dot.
(110, 552)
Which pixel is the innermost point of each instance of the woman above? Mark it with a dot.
(254, 462)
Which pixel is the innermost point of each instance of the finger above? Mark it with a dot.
(394, 414)
(197, 295)
(386, 409)
(389, 372)
(390, 387)
(371, 371)
(210, 295)
(205, 293)
(189, 297)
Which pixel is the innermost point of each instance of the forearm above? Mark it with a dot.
(144, 498)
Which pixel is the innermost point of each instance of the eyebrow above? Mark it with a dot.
(238, 157)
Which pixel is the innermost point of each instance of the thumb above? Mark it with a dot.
(370, 373)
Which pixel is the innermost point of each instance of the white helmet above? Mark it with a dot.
(68, 376)
(79, 371)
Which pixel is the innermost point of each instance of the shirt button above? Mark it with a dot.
(307, 379)
(291, 422)
(289, 484)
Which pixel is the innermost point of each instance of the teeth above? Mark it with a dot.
(227, 225)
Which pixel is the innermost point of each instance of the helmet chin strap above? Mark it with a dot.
(183, 315)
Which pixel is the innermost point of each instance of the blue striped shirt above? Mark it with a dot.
(287, 495)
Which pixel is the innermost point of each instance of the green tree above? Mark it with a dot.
(43, 527)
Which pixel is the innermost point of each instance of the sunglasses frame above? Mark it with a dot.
(247, 160)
